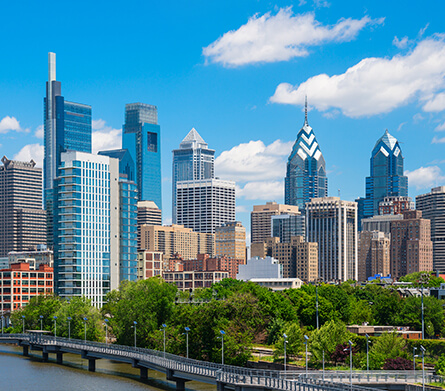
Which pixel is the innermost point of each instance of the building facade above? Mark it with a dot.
(193, 161)
(149, 214)
(395, 205)
(261, 219)
(204, 205)
(380, 223)
(185, 281)
(257, 267)
(142, 138)
(306, 169)
(432, 205)
(374, 254)
(150, 264)
(230, 240)
(86, 252)
(332, 223)
(22, 219)
(411, 245)
(286, 226)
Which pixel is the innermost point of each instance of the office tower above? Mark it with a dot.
(411, 245)
(432, 205)
(176, 240)
(67, 126)
(380, 223)
(332, 223)
(142, 137)
(306, 169)
(373, 254)
(286, 226)
(386, 175)
(22, 219)
(261, 219)
(128, 197)
(206, 204)
(395, 205)
(148, 213)
(230, 240)
(86, 249)
(192, 161)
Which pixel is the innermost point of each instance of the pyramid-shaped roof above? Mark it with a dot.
(193, 139)
(389, 140)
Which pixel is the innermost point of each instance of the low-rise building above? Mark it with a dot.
(186, 280)
(262, 268)
(150, 264)
(278, 284)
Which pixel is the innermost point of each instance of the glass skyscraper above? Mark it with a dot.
(142, 138)
(306, 170)
(192, 161)
(386, 179)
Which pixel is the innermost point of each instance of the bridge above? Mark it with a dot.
(181, 370)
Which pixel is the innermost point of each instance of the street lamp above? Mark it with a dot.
(367, 352)
(3, 318)
(350, 360)
(85, 328)
(305, 342)
(55, 327)
(106, 331)
(164, 327)
(423, 320)
(41, 322)
(285, 342)
(23, 321)
(69, 326)
(135, 331)
(316, 301)
(423, 367)
(187, 329)
(222, 332)
(414, 359)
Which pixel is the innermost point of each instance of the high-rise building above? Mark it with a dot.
(261, 219)
(373, 254)
(142, 137)
(287, 226)
(192, 161)
(67, 126)
(149, 214)
(381, 223)
(332, 223)
(306, 169)
(176, 240)
(411, 245)
(203, 205)
(22, 219)
(86, 247)
(386, 175)
(230, 240)
(128, 196)
(432, 206)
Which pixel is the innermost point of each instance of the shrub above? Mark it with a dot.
(398, 363)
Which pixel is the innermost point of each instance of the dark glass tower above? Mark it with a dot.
(306, 170)
(142, 138)
(386, 179)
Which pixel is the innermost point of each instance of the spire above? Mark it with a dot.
(305, 109)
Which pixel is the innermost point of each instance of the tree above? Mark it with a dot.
(426, 278)
(440, 365)
(295, 341)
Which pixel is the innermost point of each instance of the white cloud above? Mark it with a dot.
(437, 140)
(105, 137)
(400, 43)
(261, 190)
(31, 152)
(241, 209)
(10, 123)
(425, 177)
(39, 132)
(375, 85)
(440, 128)
(280, 37)
(437, 103)
(254, 161)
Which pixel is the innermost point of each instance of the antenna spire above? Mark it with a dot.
(305, 109)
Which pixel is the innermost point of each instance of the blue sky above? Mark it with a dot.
(238, 71)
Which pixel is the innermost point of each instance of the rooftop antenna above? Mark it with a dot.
(339, 193)
(305, 109)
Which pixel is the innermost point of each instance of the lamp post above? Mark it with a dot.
(164, 326)
(350, 361)
(3, 318)
(423, 367)
(85, 329)
(367, 352)
(69, 326)
(423, 320)
(135, 331)
(187, 329)
(414, 359)
(41, 322)
(106, 330)
(316, 301)
(23, 322)
(285, 342)
(305, 342)
(222, 332)
(55, 327)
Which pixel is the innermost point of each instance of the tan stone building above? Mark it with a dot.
(230, 240)
(148, 213)
(175, 239)
(261, 216)
(411, 245)
(374, 254)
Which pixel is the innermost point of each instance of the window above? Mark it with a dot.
(152, 142)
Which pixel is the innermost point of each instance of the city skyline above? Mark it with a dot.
(195, 81)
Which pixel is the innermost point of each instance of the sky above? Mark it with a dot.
(238, 72)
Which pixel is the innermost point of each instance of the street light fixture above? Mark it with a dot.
(305, 342)
(414, 359)
(135, 331)
(23, 322)
(69, 326)
(423, 367)
(367, 352)
(55, 327)
(106, 331)
(164, 326)
(285, 342)
(187, 329)
(222, 332)
(316, 301)
(350, 360)
(41, 322)
(85, 329)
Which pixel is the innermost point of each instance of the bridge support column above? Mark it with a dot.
(45, 356)
(25, 350)
(144, 373)
(180, 385)
(92, 364)
(59, 356)
(220, 386)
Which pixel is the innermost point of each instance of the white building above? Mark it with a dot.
(204, 205)
(332, 223)
(260, 268)
(87, 223)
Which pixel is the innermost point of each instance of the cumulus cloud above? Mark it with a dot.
(437, 103)
(376, 85)
(31, 152)
(437, 140)
(261, 190)
(425, 177)
(280, 37)
(105, 137)
(400, 43)
(11, 123)
(39, 132)
(440, 128)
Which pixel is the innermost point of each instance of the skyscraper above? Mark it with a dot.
(192, 161)
(67, 126)
(142, 137)
(432, 206)
(386, 176)
(286, 226)
(306, 169)
(230, 240)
